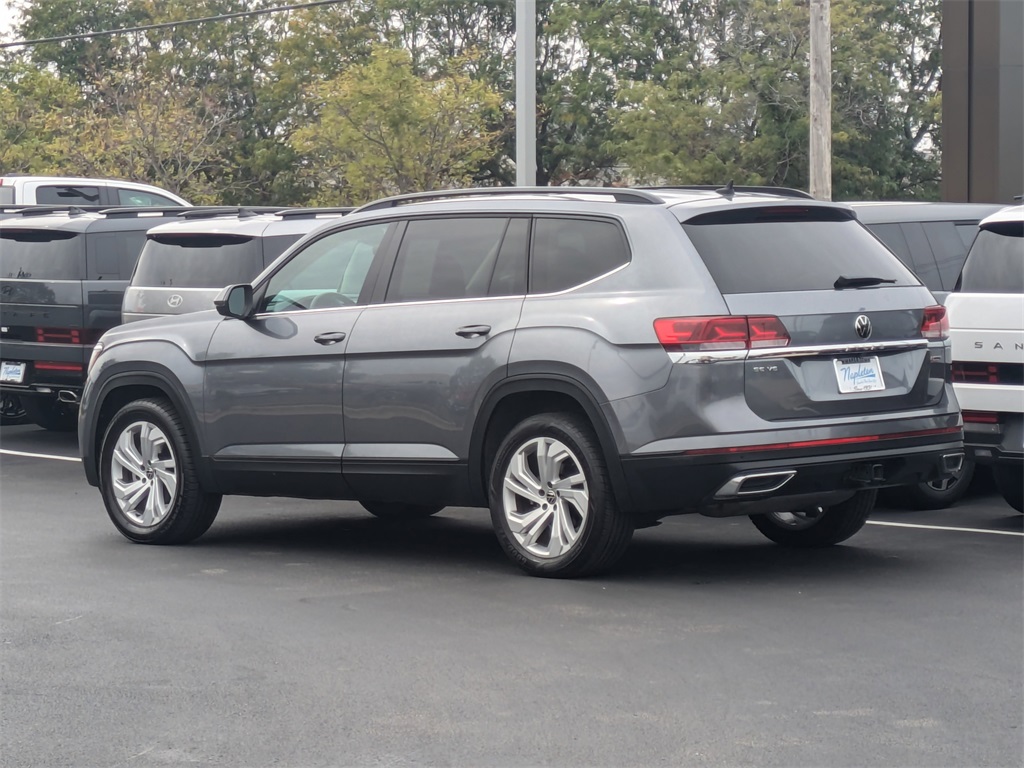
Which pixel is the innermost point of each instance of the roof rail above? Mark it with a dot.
(242, 212)
(311, 213)
(46, 210)
(124, 211)
(758, 189)
(618, 194)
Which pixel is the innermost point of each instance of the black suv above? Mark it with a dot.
(63, 272)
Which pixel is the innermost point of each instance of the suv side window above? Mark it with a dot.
(446, 259)
(569, 252)
(948, 248)
(141, 197)
(67, 195)
(329, 272)
(112, 255)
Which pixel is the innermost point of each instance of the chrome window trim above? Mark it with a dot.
(717, 356)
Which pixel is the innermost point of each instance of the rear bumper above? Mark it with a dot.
(47, 368)
(1001, 443)
(662, 485)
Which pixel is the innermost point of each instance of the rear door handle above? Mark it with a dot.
(330, 338)
(473, 331)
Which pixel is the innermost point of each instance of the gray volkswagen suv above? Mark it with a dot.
(582, 362)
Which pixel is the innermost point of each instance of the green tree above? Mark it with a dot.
(383, 129)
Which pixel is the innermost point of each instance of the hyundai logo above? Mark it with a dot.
(863, 326)
(174, 301)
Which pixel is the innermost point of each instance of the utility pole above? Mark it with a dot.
(526, 93)
(821, 100)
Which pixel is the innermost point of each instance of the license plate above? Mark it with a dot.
(859, 374)
(12, 373)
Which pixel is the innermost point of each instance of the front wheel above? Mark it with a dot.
(817, 526)
(551, 500)
(1010, 482)
(148, 477)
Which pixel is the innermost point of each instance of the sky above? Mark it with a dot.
(6, 19)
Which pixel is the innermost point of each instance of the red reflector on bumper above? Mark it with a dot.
(66, 367)
(822, 443)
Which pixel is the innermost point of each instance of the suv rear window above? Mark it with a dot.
(197, 261)
(996, 262)
(42, 254)
(790, 248)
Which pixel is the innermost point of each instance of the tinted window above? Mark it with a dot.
(967, 234)
(996, 262)
(139, 197)
(112, 255)
(67, 195)
(892, 236)
(42, 254)
(6, 195)
(789, 249)
(569, 252)
(446, 259)
(329, 272)
(197, 261)
(509, 278)
(949, 251)
(276, 245)
(922, 258)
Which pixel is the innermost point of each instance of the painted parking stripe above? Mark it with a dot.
(9, 452)
(946, 528)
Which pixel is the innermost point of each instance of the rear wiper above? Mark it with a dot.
(859, 282)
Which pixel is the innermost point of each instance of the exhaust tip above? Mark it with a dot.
(952, 462)
(755, 483)
(67, 396)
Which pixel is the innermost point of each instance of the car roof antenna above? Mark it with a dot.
(727, 191)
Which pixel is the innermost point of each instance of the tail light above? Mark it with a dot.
(935, 323)
(730, 332)
(46, 365)
(980, 417)
(67, 335)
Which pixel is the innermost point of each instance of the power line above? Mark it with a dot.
(170, 24)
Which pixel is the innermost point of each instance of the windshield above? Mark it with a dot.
(996, 261)
(790, 248)
(197, 261)
(42, 254)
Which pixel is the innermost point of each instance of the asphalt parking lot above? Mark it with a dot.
(311, 634)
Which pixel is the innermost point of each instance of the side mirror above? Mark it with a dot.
(235, 301)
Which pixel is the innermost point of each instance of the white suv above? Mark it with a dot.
(16, 189)
(986, 313)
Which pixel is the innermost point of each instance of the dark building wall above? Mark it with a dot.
(982, 100)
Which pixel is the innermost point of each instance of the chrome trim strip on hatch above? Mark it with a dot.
(733, 355)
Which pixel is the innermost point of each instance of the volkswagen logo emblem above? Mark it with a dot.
(863, 326)
(174, 301)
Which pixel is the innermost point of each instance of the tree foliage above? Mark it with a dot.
(367, 97)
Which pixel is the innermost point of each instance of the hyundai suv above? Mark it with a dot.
(580, 362)
(987, 328)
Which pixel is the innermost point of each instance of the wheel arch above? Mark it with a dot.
(517, 398)
(121, 388)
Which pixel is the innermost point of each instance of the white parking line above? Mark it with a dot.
(946, 528)
(39, 455)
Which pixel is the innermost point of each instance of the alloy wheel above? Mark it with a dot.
(144, 474)
(545, 497)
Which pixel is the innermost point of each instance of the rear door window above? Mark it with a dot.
(570, 252)
(446, 259)
(197, 261)
(996, 261)
(141, 197)
(42, 254)
(112, 255)
(949, 250)
(66, 194)
(790, 248)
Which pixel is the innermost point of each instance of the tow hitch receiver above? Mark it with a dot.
(867, 475)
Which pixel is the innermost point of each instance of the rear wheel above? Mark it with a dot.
(1010, 482)
(938, 494)
(388, 510)
(148, 477)
(551, 501)
(817, 526)
(11, 410)
(50, 413)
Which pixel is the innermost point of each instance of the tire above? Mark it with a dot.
(167, 505)
(830, 526)
(556, 532)
(1010, 482)
(11, 410)
(389, 510)
(50, 413)
(937, 494)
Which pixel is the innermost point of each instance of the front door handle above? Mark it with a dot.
(473, 331)
(330, 338)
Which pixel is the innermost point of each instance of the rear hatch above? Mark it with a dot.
(183, 272)
(837, 324)
(42, 335)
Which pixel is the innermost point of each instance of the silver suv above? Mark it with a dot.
(581, 361)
